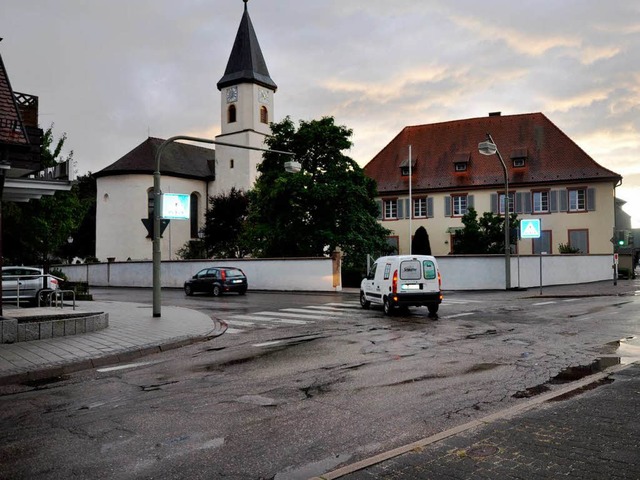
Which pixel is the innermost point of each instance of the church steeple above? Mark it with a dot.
(246, 63)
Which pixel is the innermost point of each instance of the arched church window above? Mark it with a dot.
(264, 114)
(231, 114)
(193, 215)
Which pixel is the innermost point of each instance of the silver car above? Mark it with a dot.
(25, 283)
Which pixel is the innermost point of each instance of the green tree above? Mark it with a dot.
(484, 235)
(328, 204)
(51, 155)
(224, 223)
(36, 232)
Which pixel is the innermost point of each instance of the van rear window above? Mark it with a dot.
(429, 269)
(410, 270)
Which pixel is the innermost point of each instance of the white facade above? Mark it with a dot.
(248, 125)
(597, 222)
(122, 203)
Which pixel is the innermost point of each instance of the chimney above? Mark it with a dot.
(495, 114)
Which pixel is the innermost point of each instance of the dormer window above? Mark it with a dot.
(461, 161)
(404, 167)
(519, 157)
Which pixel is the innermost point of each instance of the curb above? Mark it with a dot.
(127, 355)
(501, 415)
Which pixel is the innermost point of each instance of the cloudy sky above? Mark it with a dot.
(111, 72)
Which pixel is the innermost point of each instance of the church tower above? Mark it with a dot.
(246, 109)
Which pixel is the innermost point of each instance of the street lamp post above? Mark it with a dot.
(489, 147)
(157, 208)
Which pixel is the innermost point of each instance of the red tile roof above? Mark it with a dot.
(11, 128)
(551, 156)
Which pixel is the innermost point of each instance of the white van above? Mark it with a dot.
(403, 281)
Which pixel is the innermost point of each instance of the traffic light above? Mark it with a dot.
(623, 238)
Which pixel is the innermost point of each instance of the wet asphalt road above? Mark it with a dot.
(301, 383)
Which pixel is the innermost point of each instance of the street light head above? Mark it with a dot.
(487, 148)
(292, 166)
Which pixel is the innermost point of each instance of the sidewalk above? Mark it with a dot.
(589, 433)
(132, 333)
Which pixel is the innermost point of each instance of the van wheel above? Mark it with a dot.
(364, 303)
(433, 308)
(387, 307)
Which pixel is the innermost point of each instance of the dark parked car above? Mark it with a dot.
(216, 281)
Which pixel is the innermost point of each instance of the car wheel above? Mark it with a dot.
(216, 291)
(242, 292)
(188, 290)
(364, 303)
(387, 307)
(433, 308)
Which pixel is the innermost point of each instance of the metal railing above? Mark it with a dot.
(38, 293)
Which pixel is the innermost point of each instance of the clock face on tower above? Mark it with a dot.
(232, 94)
(263, 96)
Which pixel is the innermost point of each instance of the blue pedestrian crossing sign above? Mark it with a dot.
(530, 228)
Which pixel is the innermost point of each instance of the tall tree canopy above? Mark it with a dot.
(328, 204)
(224, 222)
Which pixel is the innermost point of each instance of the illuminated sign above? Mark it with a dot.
(176, 206)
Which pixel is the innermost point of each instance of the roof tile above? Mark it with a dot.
(551, 156)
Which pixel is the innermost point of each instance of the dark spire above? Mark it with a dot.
(246, 63)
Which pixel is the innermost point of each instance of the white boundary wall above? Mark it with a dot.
(486, 272)
(468, 272)
(288, 274)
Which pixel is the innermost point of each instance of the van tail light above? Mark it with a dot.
(223, 275)
(394, 283)
(54, 282)
(439, 281)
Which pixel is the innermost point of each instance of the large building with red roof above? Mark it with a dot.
(550, 177)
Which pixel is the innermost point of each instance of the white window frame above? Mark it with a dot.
(512, 202)
(540, 202)
(458, 205)
(578, 200)
(391, 209)
(420, 207)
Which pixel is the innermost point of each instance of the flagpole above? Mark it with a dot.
(410, 204)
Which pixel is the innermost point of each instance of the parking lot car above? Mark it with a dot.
(403, 281)
(27, 282)
(216, 281)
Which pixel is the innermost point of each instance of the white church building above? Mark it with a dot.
(124, 204)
